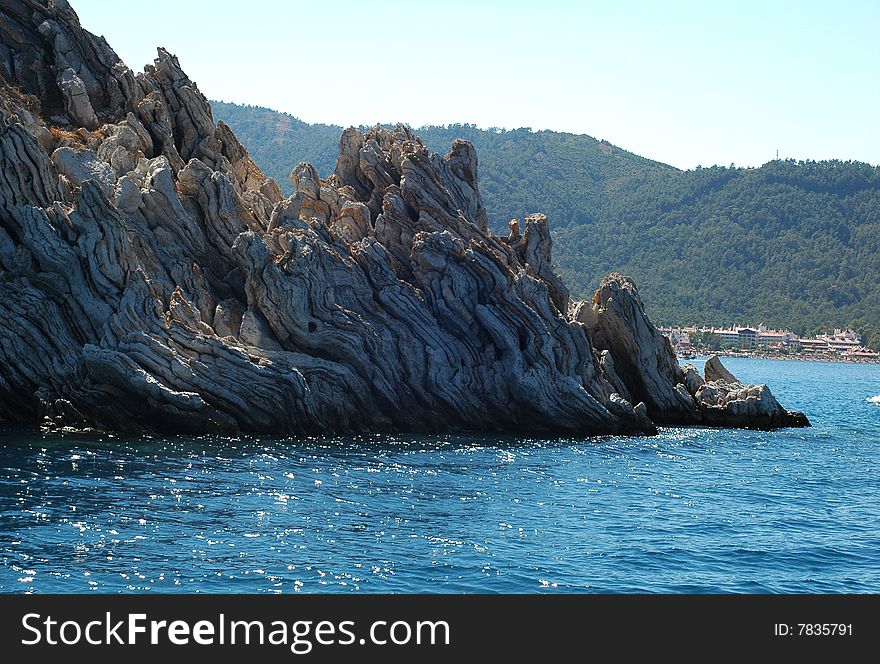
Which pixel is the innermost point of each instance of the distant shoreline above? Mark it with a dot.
(779, 356)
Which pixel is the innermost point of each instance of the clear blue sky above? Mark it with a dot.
(686, 83)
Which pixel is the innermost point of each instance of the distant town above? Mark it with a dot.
(760, 341)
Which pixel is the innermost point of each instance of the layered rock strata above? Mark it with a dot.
(151, 277)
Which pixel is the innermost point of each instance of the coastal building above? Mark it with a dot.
(680, 339)
(737, 336)
(747, 336)
(843, 345)
(728, 336)
(775, 338)
(842, 341)
(677, 335)
(813, 345)
(839, 344)
(846, 335)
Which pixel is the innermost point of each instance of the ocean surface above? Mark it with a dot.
(691, 510)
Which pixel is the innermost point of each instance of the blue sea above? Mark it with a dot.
(691, 510)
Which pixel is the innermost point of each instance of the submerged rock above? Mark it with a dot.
(152, 277)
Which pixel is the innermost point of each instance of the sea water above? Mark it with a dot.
(690, 510)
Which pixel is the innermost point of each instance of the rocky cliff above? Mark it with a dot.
(152, 277)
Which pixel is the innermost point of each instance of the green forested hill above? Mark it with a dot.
(791, 244)
(278, 141)
(572, 179)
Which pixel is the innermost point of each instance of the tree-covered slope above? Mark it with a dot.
(570, 178)
(792, 244)
(278, 141)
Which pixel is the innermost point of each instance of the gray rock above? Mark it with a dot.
(255, 331)
(513, 226)
(76, 98)
(609, 372)
(228, 318)
(462, 163)
(536, 252)
(41, 40)
(715, 371)
(643, 358)
(725, 401)
(693, 381)
(78, 166)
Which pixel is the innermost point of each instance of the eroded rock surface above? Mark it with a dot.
(152, 277)
(639, 361)
(643, 359)
(725, 401)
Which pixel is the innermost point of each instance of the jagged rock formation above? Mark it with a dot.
(641, 365)
(635, 354)
(152, 277)
(715, 371)
(725, 401)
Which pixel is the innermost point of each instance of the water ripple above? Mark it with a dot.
(691, 510)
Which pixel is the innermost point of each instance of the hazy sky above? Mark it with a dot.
(686, 83)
